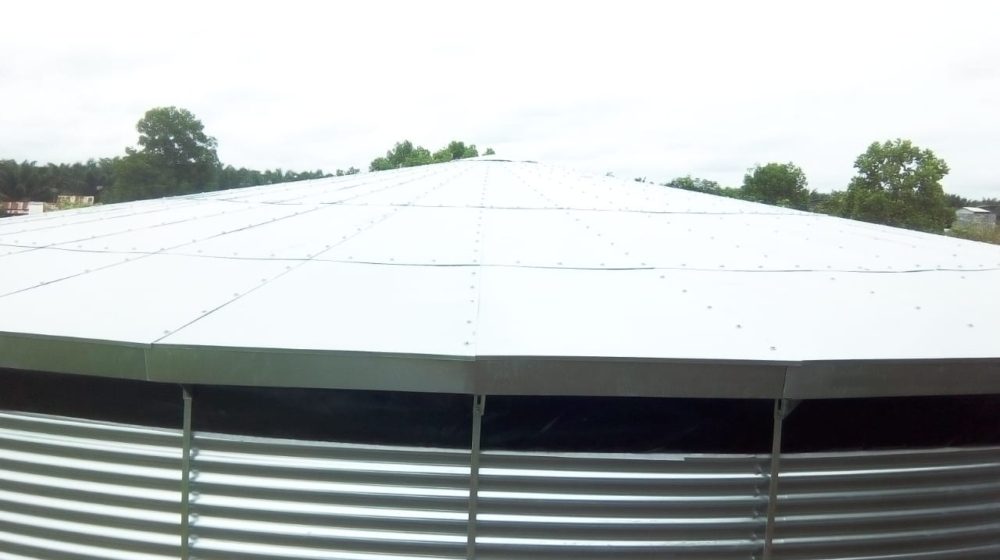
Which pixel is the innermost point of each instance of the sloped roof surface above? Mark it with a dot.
(490, 258)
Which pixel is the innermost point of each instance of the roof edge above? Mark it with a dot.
(499, 375)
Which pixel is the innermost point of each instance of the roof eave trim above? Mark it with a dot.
(499, 375)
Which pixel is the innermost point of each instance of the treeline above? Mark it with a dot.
(896, 184)
(28, 180)
(175, 156)
(956, 201)
(405, 154)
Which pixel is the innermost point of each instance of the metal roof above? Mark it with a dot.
(974, 210)
(488, 275)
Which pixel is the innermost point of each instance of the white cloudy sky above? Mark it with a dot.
(655, 89)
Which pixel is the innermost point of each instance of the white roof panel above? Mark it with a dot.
(140, 300)
(413, 235)
(766, 316)
(350, 308)
(278, 232)
(37, 267)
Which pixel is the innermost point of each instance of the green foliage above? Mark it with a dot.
(831, 203)
(175, 139)
(380, 164)
(781, 184)
(957, 201)
(489, 152)
(459, 150)
(443, 155)
(984, 233)
(899, 184)
(229, 177)
(405, 154)
(139, 176)
(24, 181)
(29, 181)
(175, 156)
(350, 171)
(696, 184)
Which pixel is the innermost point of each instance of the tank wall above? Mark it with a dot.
(96, 468)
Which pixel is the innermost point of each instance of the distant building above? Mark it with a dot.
(973, 216)
(74, 200)
(21, 208)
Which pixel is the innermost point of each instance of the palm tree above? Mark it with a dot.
(25, 181)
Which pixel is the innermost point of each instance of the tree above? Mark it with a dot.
(957, 201)
(781, 184)
(26, 181)
(460, 151)
(489, 152)
(443, 155)
(455, 150)
(139, 176)
(404, 154)
(690, 183)
(899, 184)
(831, 203)
(175, 156)
(176, 139)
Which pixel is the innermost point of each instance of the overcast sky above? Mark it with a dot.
(651, 89)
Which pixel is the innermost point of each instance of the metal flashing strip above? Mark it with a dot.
(467, 375)
(102, 358)
(326, 370)
(498, 375)
(828, 380)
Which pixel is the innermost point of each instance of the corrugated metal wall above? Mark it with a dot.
(543, 505)
(75, 489)
(932, 505)
(271, 498)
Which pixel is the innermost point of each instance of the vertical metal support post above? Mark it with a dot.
(478, 406)
(780, 407)
(186, 476)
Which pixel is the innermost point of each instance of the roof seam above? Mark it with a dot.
(499, 265)
(480, 243)
(539, 208)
